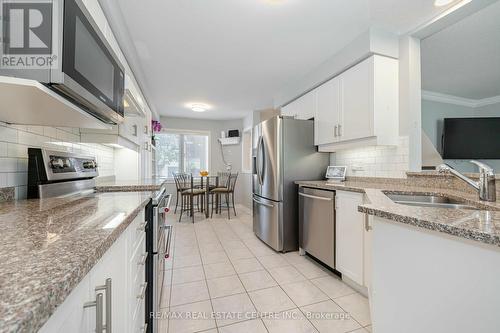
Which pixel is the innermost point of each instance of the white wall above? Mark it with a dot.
(14, 143)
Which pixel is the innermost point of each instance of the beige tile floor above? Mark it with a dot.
(224, 279)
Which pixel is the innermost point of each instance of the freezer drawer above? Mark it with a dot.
(317, 224)
(267, 222)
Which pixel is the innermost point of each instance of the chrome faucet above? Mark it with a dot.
(486, 185)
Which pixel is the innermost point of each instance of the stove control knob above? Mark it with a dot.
(89, 165)
(66, 163)
(57, 163)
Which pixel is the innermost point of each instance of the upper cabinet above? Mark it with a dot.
(328, 112)
(359, 107)
(301, 108)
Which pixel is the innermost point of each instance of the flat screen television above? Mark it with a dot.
(471, 138)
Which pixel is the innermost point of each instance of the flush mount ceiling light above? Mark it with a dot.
(199, 107)
(441, 3)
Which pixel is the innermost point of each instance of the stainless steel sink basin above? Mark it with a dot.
(429, 201)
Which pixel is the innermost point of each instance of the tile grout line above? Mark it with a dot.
(254, 256)
(204, 274)
(239, 279)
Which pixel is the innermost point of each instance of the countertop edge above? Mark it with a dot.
(432, 226)
(29, 321)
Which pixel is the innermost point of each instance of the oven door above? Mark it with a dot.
(161, 260)
(91, 73)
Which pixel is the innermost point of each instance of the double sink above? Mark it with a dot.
(424, 200)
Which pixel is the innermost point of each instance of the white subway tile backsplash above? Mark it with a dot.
(14, 143)
(8, 164)
(8, 134)
(376, 161)
(3, 149)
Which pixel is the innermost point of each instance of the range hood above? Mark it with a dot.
(28, 102)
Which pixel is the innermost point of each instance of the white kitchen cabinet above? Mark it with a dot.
(123, 265)
(112, 266)
(368, 106)
(302, 108)
(367, 253)
(357, 102)
(327, 112)
(349, 235)
(71, 316)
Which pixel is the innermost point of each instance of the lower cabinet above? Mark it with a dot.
(111, 296)
(350, 228)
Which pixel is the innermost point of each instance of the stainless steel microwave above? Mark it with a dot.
(87, 71)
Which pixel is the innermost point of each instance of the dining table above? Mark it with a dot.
(206, 183)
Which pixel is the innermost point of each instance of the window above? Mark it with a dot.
(181, 151)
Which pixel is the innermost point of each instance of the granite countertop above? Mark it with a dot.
(151, 184)
(481, 225)
(48, 246)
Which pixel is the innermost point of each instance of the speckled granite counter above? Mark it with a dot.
(152, 184)
(48, 246)
(482, 225)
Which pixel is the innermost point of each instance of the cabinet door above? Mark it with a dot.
(349, 235)
(326, 120)
(357, 102)
(113, 265)
(71, 316)
(306, 106)
(367, 256)
(289, 109)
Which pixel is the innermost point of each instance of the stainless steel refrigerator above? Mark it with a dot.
(283, 152)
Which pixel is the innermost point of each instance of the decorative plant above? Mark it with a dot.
(156, 125)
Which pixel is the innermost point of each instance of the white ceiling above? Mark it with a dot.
(235, 54)
(464, 59)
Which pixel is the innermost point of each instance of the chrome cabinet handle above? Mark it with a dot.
(107, 288)
(367, 224)
(142, 294)
(142, 262)
(142, 226)
(315, 197)
(144, 328)
(335, 130)
(340, 130)
(262, 203)
(99, 328)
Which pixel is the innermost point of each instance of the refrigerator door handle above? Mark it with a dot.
(259, 171)
(262, 203)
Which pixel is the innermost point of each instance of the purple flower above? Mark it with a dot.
(156, 125)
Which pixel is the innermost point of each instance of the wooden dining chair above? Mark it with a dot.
(188, 194)
(228, 192)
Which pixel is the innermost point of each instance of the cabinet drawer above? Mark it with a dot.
(139, 317)
(137, 230)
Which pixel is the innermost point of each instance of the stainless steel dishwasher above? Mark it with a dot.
(317, 224)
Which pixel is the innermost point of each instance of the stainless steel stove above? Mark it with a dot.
(57, 174)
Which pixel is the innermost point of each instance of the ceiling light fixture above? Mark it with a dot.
(198, 107)
(441, 3)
